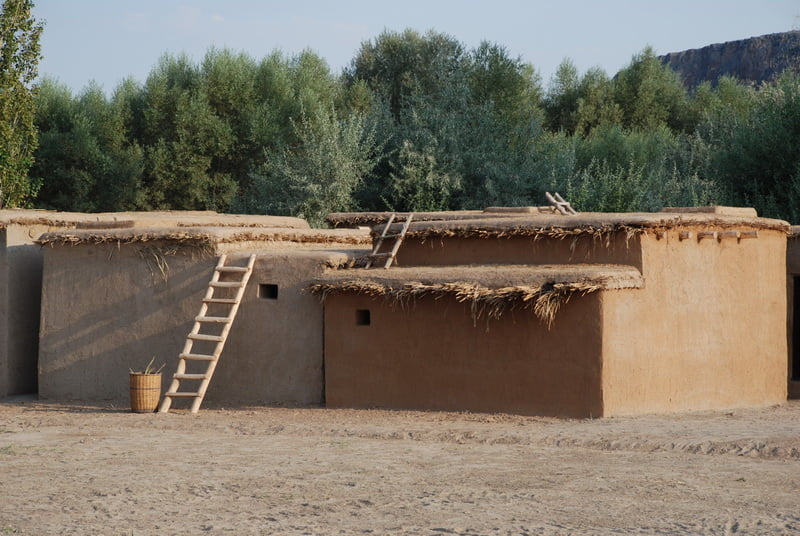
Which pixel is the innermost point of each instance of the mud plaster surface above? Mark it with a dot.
(70, 469)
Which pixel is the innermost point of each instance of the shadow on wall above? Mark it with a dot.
(120, 314)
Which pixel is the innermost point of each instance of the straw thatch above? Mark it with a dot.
(251, 236)
(112, 236)
(491, 303)
(597, 226)
(351, 220)
(165, 218)
(489, 290)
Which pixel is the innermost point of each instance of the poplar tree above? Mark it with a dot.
(19, 59)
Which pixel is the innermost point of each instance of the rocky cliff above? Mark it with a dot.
(756, 59)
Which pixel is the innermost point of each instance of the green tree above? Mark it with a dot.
(561, 100)
(650, 94)
(511, 86)
(19, 59)
(728, 101)
(400, 65)
(320, 174)
(596, 106)
(68, 153)
(618, 170)
(180, 174)
(84, 151)
(757, 158)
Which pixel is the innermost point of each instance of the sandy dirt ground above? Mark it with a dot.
(100, 470)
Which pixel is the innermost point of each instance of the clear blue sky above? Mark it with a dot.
(108, 40)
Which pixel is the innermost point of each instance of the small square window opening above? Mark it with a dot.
(268, 291)
(363, 317)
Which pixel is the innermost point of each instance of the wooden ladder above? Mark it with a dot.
(560, 204)
(226, 280)
(386, 235)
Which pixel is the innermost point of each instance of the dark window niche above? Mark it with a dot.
(363, 317)
(267, 291)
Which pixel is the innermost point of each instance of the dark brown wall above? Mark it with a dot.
(520, 250)
(432, 355)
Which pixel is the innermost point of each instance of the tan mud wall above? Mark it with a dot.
(520, 250)
(105, 312)
(707, 331)
(274, 352)
(430, 355)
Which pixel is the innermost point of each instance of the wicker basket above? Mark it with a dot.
(145, 392)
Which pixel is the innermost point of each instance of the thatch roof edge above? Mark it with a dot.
(543, 300)
(489, 290)
(574, 226)
(203, 235)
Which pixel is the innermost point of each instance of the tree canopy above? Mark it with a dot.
(19, 60)
(417, 121)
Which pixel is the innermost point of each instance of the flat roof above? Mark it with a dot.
(492, 276)
(355, 219)
(158, 218)
(584, 223)
(489, 289)
(250, 237)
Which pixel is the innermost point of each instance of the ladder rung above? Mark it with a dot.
(185, 376)
(218, 319)
(390, 236)
(225, 284)
(204, 337)
(386, 254)
(197, 357)
(238, 269)
(182, 395)
(229, 301)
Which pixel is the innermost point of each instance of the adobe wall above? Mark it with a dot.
(105, 310)
(20, 292)
(707, 331)
(274, 353)
(620, 249)
(21, 273)
(4, 313)
(430, 354)
(792, 271)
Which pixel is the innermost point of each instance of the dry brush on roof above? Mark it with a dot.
(544, 300)
(119, 238)
(307, 237)
(369, 219)
(202, 236)
(44, 221)
(599, 227)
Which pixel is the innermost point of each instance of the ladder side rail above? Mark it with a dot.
(567, 206)
(554, 202)
(399, 240)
